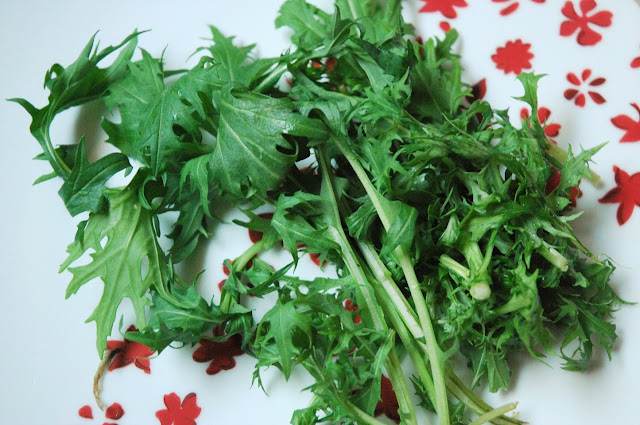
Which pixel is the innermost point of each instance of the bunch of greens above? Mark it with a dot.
(433, 207)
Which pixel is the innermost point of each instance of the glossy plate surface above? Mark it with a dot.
(590, 51)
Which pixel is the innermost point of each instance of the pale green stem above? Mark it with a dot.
(434, 352)
(489, 416)
(561, 155)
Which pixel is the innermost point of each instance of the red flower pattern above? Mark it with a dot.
(445, 26)
(220, 353)
(626, 193)
(446, 7)
(635, 63)
(578, 97)
(512, 6)
(513, 57)
(580, 23)
(632, 128)
(351, 306)
(554, 181)
(179, 413)
(256, 236)
(550, 129)
(113, 412)
(388, 404)
(128, 352)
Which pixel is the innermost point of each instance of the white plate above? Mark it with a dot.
(49, 357)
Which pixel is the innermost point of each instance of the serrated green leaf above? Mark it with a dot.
(83, 189)
(118, 261)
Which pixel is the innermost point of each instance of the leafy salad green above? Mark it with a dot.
(433, 207)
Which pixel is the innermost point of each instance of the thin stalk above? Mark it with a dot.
(435, 353)
(238, 264)
(487, 417)
(392, 365)
(475, 403)
(405, 405)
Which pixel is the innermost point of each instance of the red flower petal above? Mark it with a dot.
(580, 100)
(446, 7)
(445, 26)
(621, 176)
(221, 284)
(597, 97)
(598, 81)
(588, 37)
(85, 412)
(543, 114)
(573, 79)
(115, 411)
(570, 93)
(552, 130)
(568, 27)
(624, 211)
(602, 19)
(632, 127)
(190, 406)
(635, 63)
(569, 12)
(586, 74)
(587, 6)
(509, 9)
(388, 405)
(611, 197)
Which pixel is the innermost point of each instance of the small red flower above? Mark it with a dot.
(177, 413)
(220, 353)
(512, 7)
(445, 26)
(632, 128)
(388, 405)
(580, 23)
(316, 259)
(626, 193)
(550, 129)
(635, 63)
(513, 57)
(128, 352)
(577, 95)
(350, 305)
(446, 7)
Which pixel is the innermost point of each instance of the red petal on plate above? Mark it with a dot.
(635, 63)
(586, 74)
(115, 411)
(588, 37)
(580, 100)
(573, 79)
(597, 97)
(445, 26)
(602, 19)
(567, 28)
(85, 412)
(570, 93)
(552, 130)
(509, 9)
(598, 81)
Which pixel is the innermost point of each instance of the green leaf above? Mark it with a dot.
(251, 153)
(81, 82)
(307, 22)
(157, 120)
(83, 189)
(118, 261)
(282, 323)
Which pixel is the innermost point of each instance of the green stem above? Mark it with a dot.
(561, 155)
(59, 165)
(401, 388)
(487, 417)
(434, 352)
(392, 363)
(554, 257)
(238, 264)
